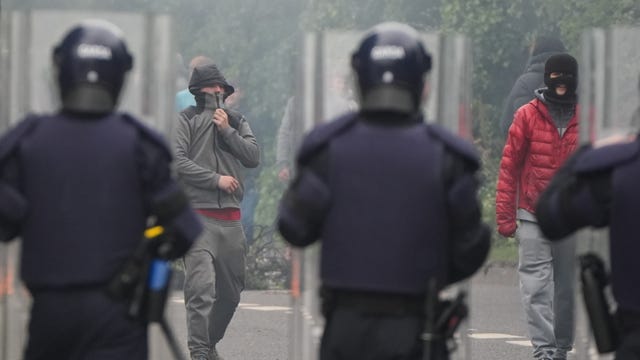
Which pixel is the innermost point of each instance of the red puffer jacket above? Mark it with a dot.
(533, 152)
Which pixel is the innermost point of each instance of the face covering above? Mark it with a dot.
(567, 66)
(213, 101)
(568, 80)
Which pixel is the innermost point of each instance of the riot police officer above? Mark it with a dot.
(598, 187)
(79, 187)
(393, 200)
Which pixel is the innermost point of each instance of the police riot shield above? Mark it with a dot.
(453, 111)
(27, 85)
(326, 90)
(454, 69)
(609, 96)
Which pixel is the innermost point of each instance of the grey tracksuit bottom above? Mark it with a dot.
(547, 276)
(214, 278)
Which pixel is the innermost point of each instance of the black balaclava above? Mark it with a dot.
(568, 67)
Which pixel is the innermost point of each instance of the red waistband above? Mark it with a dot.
(220, 214)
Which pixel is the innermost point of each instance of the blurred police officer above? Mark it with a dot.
(599, 187)
(393, 200)
(79, 186)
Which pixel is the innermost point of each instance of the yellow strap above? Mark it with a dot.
(153, 232)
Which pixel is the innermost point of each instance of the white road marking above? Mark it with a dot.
(247, 306)
(493, 336)
(508, 338)
(520, 342)
(498, 336)
(265, 308)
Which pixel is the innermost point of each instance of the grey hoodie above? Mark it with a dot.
(204, 153)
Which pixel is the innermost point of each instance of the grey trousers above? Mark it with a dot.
(214, 278)
(547, 277)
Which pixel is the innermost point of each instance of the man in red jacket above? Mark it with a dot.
(543, 134)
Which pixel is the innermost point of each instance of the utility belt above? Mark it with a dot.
(143, 281)
(372, 302)
(441, 317)
(75, 289)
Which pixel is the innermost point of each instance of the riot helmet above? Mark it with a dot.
(391, 64)
(91, 62)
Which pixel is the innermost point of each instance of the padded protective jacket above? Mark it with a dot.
(534, 150)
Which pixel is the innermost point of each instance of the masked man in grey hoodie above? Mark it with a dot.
(213, 145)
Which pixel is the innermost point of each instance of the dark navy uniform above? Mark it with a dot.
(599, 187)
(394, 206)
(79, 188)
(78, 192)
(393, 200)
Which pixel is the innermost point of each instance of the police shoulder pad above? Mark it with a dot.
(147, 133)
(608, 156)
(12, 138)
(455, 143)
(322, 134)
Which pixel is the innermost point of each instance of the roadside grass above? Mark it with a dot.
(504, 252)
